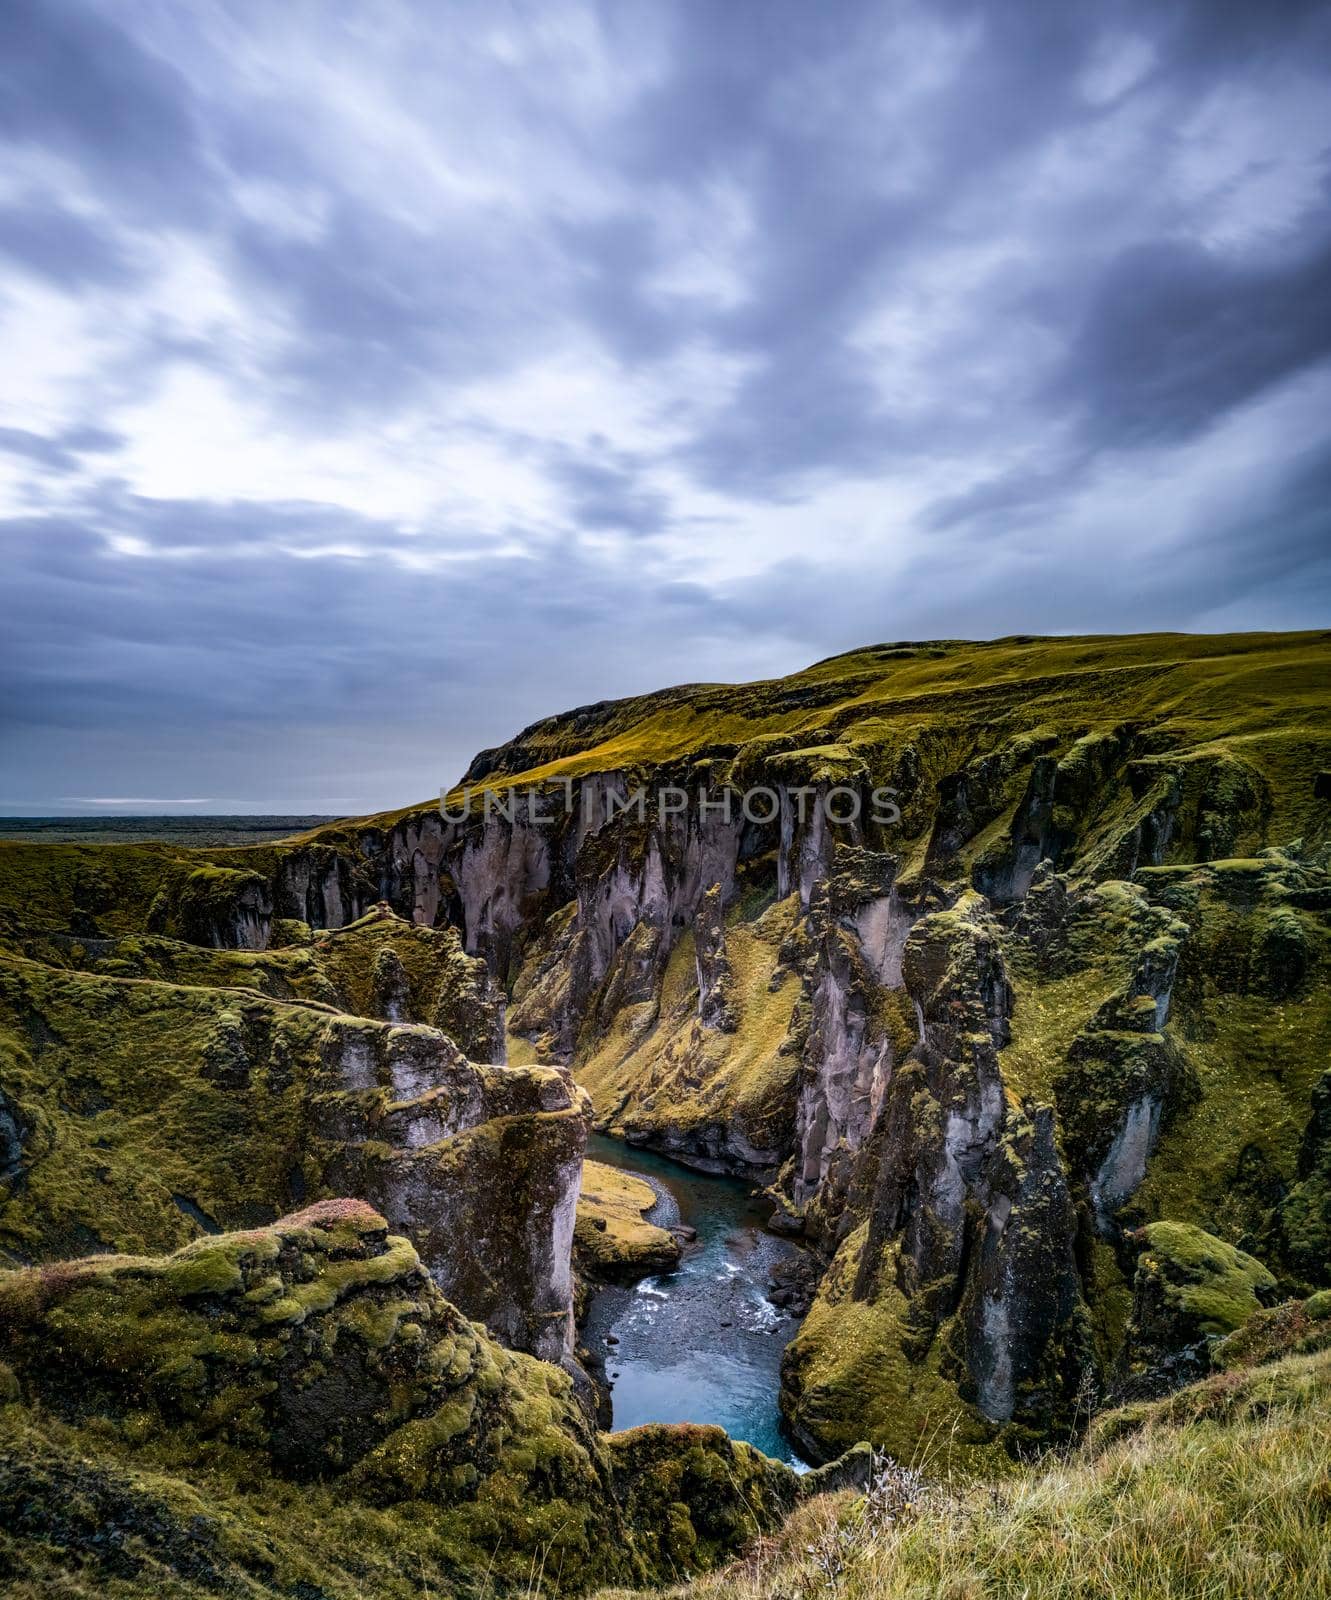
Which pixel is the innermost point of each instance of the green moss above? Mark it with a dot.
(612, 1238)
(1293, 1327)
(695, 1494)
(167, 1372)
(149, 1106)
(1256, 1048)
(856, 1370)
(208, 1270)
(1207, 1284)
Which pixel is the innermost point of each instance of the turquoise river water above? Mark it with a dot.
(703, 1343)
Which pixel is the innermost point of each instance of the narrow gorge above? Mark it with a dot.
(990, 979)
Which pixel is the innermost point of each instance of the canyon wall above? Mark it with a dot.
(1071, 983)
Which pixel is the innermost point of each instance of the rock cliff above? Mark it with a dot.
(149, 1109)
(355, 1432)
(985, 958)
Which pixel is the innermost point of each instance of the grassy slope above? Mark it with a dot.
(1259, 693)
(1263, 695)
(1221, 1492)
(1259, 697)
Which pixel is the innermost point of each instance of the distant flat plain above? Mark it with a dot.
(225, 830)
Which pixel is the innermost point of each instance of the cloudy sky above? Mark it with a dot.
(378, 377)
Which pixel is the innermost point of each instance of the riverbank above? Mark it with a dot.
(701, 1343)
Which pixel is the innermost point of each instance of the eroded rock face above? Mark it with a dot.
(479, 1166)
(321, 886)
(1077, 991)
(1024, 1328)
(229, 1106)
(225, 908)
(1021, 1066)
(993, 1154)
(861, 1023)
(715, 978)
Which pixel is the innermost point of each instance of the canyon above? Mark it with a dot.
(1031, 1070)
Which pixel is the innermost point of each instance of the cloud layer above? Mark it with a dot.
(381, 378)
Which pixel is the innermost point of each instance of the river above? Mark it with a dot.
(703, 1343)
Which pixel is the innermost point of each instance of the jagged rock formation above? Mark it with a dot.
(1190, 1288)
(147, 1110)
(1022, 947)
(314, 1364)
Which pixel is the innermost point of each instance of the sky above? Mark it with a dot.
(378, 378)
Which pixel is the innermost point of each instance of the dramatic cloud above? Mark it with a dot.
(380, 378)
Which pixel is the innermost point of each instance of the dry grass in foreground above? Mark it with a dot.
(1223, 1495)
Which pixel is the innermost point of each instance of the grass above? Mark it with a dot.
(657, 1069)
(612, 1236)
(1258, 696)
(1226, 1499)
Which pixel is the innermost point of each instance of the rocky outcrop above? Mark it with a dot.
(319, 1351)
(479, 1166)
(1023, 1327)
(1190, 1289)
(224, 907)
(1021, 1113)
(392, 992)
(860, 1024)
(158, 1109)
(693, 1496)
(965, 1263)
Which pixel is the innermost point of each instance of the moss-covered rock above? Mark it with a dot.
(225, 907)
(1301, 1224)
(147, 1112)
(1294, 1327)
(693, 1496)
(317, 1355)
(1190, 1288)
(612, 1240)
